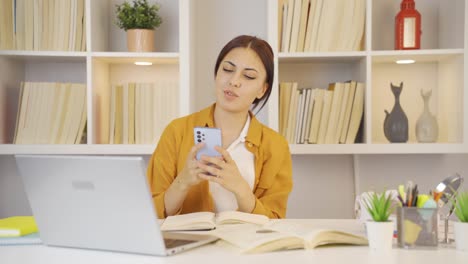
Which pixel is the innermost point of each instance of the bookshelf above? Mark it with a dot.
(187, 43)
(439, 66)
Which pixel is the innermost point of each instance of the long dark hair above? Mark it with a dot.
(263, 50)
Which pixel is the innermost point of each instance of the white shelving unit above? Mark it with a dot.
(187, 43)
(440, 66)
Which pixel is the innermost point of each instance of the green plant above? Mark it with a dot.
(379, 206)
(140, 15)
(461, 207)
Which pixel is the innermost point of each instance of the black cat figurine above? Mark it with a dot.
(396, 122)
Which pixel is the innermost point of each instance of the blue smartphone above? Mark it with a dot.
(211, 137)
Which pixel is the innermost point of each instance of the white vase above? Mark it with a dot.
(461, 236)
(380, 235)
(427, 129)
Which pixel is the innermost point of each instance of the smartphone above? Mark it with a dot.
(211, 137)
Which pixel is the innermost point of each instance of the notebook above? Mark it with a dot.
(30, 239)
(97, 202)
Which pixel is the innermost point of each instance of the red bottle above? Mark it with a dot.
(407, 27)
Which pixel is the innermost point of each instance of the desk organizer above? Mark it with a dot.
(417, 227)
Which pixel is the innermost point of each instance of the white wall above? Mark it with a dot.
(324, 185)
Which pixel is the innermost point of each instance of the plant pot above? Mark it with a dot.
(461, 236)
(140, 40)
(380, 235)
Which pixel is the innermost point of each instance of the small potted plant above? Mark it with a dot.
(380, 230)
(461, 227)
(139, 21)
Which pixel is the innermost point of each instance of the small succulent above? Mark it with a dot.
(140, 15)
(379, 206)
(461, 207)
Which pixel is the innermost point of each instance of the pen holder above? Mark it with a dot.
(417, 227)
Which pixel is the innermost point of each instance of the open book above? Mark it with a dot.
(209, 220)
(291, 234)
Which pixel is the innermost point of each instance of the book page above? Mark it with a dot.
(192, 221)
(321, 232)
(236, 217)
(251, 239)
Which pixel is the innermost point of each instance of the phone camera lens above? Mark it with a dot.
(198, 132)
(198, 136)
(199, 141)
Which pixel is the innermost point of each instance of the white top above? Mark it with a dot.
(223, 199)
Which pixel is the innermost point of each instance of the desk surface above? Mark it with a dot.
(221, 252)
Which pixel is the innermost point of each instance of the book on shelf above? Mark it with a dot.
(327, 102)
(341, 118)
(44, 25)
(285, 235)
(288, 26)
(16, 226)
(347, 115)
(210, 220)
(307, 115)
(357, 113)
(319, 25)
(338, 91)
(299, 114)
(316, 115)
(50, 113)
(140, 111)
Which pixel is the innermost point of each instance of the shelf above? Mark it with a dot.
(296, 149)
(320, 57)
(130, 57)
(418, 55)
(325, 149)
(83, 149)
(45, 56)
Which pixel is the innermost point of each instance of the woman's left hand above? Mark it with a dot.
(224, 172)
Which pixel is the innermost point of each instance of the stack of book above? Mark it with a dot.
(321, 116)
(139, 112)
(51, 113)
(43, 25)
(18, 230)
(321, 25)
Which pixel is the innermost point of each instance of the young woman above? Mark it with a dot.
(254, 174)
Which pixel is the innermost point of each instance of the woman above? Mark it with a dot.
(254, 174)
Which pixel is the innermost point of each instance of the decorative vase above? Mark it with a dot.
(140, 40)
(380, 235)
(461, 236)
(396, 122)
(426, 126)
(408, 26)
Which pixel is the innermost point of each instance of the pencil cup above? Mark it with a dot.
(417, 227)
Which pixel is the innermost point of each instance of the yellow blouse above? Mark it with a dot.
(273, 166)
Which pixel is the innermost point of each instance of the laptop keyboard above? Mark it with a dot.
(172, 243)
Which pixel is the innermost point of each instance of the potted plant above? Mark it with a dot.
(380, 230)
(461, 227)
(139, 21)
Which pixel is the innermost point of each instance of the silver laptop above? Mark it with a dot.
(97, 202)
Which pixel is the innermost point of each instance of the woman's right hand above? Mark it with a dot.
(189, 174)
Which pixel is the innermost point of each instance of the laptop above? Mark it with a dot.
(98, 202)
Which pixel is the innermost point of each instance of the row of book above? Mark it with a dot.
(321, 25)
(51, 113)
(139, 112)
(321, 116)
(57, 25)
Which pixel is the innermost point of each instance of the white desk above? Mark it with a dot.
(222, 253)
